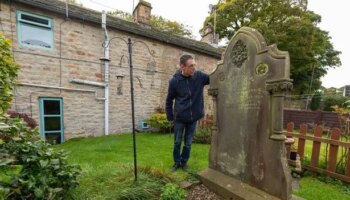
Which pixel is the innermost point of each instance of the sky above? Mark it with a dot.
(193, 13)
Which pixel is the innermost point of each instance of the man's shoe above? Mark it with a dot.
(175, 167)
(184, 166)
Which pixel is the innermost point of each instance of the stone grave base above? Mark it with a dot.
(231, 188)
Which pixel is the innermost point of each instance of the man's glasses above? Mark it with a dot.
(193, 65)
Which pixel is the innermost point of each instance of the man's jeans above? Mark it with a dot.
(187, 130)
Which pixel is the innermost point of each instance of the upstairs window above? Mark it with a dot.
(34, 30)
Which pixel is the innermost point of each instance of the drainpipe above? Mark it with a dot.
(106, 60)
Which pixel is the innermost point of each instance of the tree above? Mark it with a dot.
(121, 14)
(74, 2)
(159, 23)
(291, 26)
(315, 101)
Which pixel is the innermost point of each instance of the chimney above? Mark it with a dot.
(208, 35)
(142, 13)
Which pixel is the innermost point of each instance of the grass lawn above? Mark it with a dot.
(313, 189)
(107, 165)
(105, 159)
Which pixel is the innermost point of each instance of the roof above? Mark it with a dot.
(85, 14)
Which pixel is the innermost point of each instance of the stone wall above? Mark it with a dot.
(76, 53)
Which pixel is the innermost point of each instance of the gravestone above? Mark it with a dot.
(247, 156)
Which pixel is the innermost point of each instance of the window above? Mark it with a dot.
(34, 30)
(51, 120)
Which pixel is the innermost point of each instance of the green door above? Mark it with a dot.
(51, 120)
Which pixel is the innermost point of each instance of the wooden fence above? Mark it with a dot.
(333, 144)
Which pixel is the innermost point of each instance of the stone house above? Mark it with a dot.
(66, 86)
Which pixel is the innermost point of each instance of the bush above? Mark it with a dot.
(331, 101)
(202, 136)
(30, 121)
(172, 191)
(158, 120)
(29, 169)
(8, 73)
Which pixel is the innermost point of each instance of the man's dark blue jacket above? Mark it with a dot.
(188, 95)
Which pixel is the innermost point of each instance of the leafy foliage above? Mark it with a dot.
(343, 113)
(73, 2)
(158, 120)
(30, 121)
(288, 24)
(202, 136)
(203, 133)
(315, 101)
(172, 191)
(29, 168)
(159, 23)
(336, 100)
(8, 73)
(121, 14)
(169, 26)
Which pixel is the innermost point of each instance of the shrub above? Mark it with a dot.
(331, 101)
(172, 191)
(202, 136)
(158, 120)
(203, 133)
(29, 169)
(30, 121)
(8, 73)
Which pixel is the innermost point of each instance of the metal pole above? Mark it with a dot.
(132, 106)
(309, 93)
(214, 40)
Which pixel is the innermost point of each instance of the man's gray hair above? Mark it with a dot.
(185, 58)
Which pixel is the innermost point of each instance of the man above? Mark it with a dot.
(186, 87)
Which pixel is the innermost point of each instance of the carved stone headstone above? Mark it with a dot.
(247, 156)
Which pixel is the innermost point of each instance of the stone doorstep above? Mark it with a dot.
(233, 189)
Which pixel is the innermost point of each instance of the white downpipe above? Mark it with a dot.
(106, 62)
